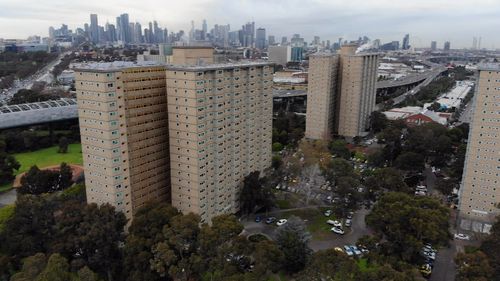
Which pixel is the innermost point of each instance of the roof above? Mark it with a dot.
(114, 66)
(218, 66)
(489, 66)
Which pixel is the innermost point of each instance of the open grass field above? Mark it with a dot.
(49, 157)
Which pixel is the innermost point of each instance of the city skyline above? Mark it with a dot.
(327, 19)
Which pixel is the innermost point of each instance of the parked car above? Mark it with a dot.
(426, 270)
(281, 222)
(338, 230)
(356, 251)
(348, 222)
(334, 223)
(349, 215)
(328, 213)
(462, 236)
(338, 249)
(258, 219)
(270, 220)
(348, 250)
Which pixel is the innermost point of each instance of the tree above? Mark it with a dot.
(37, 181)
(63, 145)
(378, 121)
(330, 265)
(145, 231)
(176, 255)
(57, 269)
(445, 186)
(292, 240)
(410, 161)
(387, 179)
(408, 222)
(277, 147)
(377, 158)
(338, 167)
(435, 106)
(491, 247)
(85, 274)
(90, 235)
(254, 194)
(474, 267)
(339, 148)
(29, 230)
(268, 258)
(276, 162)
(32, 267)
(7, 165)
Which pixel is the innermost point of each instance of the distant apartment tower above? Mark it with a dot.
(280, 54)
(480, 188)
(220, 127)
(342, 92)
(321, 95)
(447, 46)
(122, 109)
(433, 45)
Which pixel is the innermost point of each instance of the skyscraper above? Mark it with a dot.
(447, 46)
(260, 42)
(406, 42)
(341, 103)
(220, 127)
(204, 30)
(433, 45)
(122, 109)
(479, 191)
(94, 29)
(124, 28)
(271, 40)
(284, 40)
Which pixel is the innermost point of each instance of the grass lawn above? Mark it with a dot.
(49, 157)
(5, 187)
(363, 264)
(5, 213)
(315, 221)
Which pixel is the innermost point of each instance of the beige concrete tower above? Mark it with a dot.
(321, 95)
(220, 126)
(358, 78)
(122, 110)
(480, 189)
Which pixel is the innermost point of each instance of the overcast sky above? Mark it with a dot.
(454, 20)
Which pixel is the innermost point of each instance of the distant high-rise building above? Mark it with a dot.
(94, 29)
(446, 46)
(248, 34)
(479, 44)
(110, 33)
(52, 32)
(204, 29)
(406, 42)
(123, 26)
(260, 41)
(341, 93)
(433, 45)
(474, 43)
(284, 40)
(321, 96)
(271, 40)
(280, 54)
(122, 109)
(391, 46)
(479, 191)
(297, 54)
(316, 40)
(218, 134)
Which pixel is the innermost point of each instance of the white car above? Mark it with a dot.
(334, 223)
(337, 230)
(462, 236)
(328, 213)
(281, 222)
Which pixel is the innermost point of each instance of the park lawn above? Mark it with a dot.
(315, 221)
(5, 187)
(363, 264)
(5, 213)
(49, 157)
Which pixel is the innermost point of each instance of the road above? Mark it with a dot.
(43, 75)
(431, 75)
(7, 198)
(466, 115)
(357, 230)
